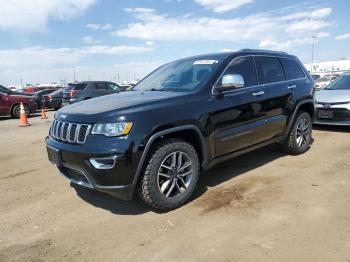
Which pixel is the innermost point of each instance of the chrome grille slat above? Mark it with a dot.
(69, 132)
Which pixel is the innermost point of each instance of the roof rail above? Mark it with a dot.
(261, 50)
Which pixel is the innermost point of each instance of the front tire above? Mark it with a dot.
(170, 176)
(300, 136)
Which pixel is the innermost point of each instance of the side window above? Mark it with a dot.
(101, 86)
(113, 87)
(292, 69)
(245, 67)
(269, 70)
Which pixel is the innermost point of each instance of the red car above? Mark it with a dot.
(10, 103)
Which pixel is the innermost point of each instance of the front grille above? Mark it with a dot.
(69, 132)
(339, 114)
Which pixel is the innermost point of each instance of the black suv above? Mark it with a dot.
(88, 89)
(184, 117)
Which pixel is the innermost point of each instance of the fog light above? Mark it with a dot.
(103, 162)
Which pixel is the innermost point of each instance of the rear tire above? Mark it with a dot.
(300, 136)
(16, 111)
(170, 175)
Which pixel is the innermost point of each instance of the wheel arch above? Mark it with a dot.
(18, 103)
(189, 133)
(308, 106)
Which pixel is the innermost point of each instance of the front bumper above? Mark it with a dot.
(332, 115)
(118, 180)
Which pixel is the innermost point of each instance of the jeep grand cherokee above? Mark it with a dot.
(183, 118)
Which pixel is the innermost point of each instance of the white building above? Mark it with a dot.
(329, 66)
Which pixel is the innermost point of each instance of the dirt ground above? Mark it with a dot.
(263, 206)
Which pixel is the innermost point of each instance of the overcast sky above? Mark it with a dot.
(43, 40)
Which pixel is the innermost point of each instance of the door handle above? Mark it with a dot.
(260, 93)
(292, 87)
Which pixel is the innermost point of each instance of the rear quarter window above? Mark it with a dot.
(292, 69)
(269, 70)
(76, 86)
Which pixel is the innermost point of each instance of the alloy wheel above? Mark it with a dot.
(174, 174)
(303, 132)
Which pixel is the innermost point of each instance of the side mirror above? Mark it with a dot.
(230, 82)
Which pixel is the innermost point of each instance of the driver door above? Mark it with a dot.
(240, 120)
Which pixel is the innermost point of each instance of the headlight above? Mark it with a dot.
(112, 129)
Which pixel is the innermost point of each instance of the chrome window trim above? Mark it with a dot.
(256, 72)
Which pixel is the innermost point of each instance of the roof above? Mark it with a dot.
(246, 51)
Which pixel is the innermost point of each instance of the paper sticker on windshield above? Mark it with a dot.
(205, 62)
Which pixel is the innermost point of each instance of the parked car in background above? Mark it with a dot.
(34, 89)
(85, 90)
(10, 103)
(333, 103)
(38, 96)
(53, 100)
(185, 117)
(325, 80)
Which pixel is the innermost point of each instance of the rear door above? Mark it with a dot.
(100, 89)
(240, 120)
(278, 94)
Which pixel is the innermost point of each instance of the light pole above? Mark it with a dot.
(74, 74)
(312, 54)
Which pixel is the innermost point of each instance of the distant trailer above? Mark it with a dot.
(338, 66)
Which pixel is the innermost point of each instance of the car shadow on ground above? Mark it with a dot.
(237, 166)
(211, 178)
(3, 118)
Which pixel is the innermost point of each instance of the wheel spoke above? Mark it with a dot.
(179, 161)
(185, 174)
(173, 160)
(171, 188)
(299, 140)
(179, 189)
(165, 185)
(164, 175)
(186, 165)
(182, 182)
(167, 167)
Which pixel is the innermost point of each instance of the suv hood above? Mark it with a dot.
(120, 101)
(332, 96)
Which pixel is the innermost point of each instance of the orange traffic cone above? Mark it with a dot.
(43, 115)
(23, 119)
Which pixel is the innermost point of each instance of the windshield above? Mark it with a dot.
(180, 76)
(324, 79)
(341, 83)
(4, 90)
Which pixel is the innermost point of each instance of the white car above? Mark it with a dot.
(325, 80)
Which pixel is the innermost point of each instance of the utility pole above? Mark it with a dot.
(312, 53)
(118, 78)
(74, 74)
(21, 83)
(115, 79)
